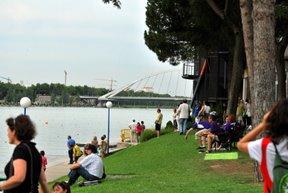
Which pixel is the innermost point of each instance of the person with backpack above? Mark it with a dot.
(271, 151)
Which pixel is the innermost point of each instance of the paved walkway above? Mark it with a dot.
(57, 167)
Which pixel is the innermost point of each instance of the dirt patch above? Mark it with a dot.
(232, 167)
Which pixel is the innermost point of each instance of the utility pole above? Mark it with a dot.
(65, 77)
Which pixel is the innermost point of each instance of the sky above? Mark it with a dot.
(89, 39)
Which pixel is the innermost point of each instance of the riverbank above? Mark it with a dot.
(172, 164)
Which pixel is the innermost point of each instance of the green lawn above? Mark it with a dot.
(171, 164)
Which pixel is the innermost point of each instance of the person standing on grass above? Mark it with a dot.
(70, 143)
(183, 111)
(24, 170)
(138, 130)
(143, 126)
(274, 126)
(132, 131)
(103, 146)
(175, 117)
(77, 153)
(158, 122)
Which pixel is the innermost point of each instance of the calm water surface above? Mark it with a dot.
(55, 123)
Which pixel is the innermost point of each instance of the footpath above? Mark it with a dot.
(57, 167)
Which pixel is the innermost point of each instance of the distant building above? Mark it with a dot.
(147, 89)
(43, 100)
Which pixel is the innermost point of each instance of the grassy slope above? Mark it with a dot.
(171, 164)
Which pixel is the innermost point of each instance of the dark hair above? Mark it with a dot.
(63, 185)
(278, 120)
(91, 147)
(103, 137)
(213, 117)
(158, 110)
(23, 126)
(42, 153)
(185, 101)
(142, 122)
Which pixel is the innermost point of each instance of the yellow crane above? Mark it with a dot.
(110, 82)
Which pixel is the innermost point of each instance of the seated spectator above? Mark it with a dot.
(206, 127)
(225, 129)
(61, 187)
(90, 168)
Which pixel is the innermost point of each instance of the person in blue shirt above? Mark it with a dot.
(70, 144)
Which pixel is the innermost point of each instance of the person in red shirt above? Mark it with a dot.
(138, 130)
(43, 159)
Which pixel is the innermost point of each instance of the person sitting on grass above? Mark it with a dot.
(61, 187)
(90, 168)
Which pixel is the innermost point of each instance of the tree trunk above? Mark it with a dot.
(281, 74)
(237, 73)
(246, 8)
(264, 57)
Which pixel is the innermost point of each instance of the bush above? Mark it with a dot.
(169, 128)
(150, 133)
(147, 134)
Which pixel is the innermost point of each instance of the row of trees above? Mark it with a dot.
(255, 33)
(60, 94)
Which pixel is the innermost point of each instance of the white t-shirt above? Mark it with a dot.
(183, 111)
(247, 109)
(132, 126)
(207, 109)
(93, 164)
(255, 152)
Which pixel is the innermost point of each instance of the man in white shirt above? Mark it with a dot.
(90, 168)
(132, 131)
(183, 111)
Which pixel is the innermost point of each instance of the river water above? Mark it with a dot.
(54, 124)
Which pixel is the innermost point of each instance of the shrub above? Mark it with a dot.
(169, 128)
(147, 134)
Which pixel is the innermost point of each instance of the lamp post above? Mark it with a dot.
(108, 105)
(25, 102)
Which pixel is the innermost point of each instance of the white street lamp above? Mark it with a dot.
(25, 102)
(109, 106)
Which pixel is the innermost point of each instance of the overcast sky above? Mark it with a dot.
(89, 39)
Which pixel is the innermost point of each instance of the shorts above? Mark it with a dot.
(157, 126)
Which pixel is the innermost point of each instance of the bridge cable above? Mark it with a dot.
(185, 88)
(177, 85)
(161, 82)
(156, 76)
(169, 83)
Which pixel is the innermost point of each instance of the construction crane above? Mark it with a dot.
(8, 79)
(65, 77)
(110, 81)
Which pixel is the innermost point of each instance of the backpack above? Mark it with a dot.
(280, 174)
(280, 171)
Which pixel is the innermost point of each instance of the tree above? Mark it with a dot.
(259, 38)
(182, 30)
(229, 13)
(116, 3)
